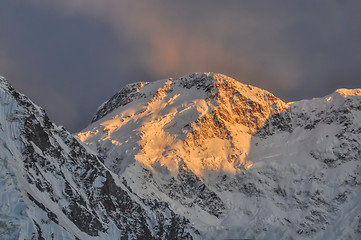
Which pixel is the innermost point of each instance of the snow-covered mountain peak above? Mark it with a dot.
(341, 95)
(2, 80)
(208, 82)
(349, 92)
(339, 99)
(4, 84)
(199, 120)
(207, 136)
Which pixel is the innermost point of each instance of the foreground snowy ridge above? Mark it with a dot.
(55, 188)
(202, 156)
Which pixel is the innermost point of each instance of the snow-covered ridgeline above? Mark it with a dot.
(54, 187)
(206, 136)
(20, 218)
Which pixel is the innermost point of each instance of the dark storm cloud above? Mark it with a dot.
(80, 52)
(57, 61)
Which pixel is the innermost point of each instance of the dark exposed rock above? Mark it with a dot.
(122, 98)
(50, 214)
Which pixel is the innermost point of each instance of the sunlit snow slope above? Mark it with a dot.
(204, 121)
(234, 159)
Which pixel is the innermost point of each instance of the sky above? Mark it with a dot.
(70, 56)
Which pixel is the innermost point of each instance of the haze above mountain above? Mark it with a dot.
(197, 157)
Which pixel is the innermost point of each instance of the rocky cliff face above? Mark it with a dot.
(197, 157)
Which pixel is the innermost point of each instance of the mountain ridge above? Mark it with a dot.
(63, 190)
(199, 75)
(207, 81)
(197, 157)
(223, 154)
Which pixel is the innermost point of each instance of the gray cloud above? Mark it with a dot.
(292, 48)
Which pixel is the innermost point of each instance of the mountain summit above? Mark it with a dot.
(197, 157)
(203, 121)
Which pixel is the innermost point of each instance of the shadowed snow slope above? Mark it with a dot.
(53, 187)
(197, 157)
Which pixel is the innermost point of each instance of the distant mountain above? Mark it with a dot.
(198, 157)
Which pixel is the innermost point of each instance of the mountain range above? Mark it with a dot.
(202, 156)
